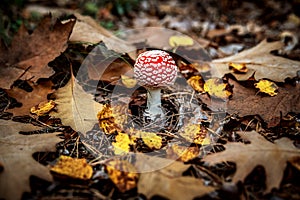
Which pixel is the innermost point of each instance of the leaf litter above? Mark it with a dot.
(102, 128)
(16, 157)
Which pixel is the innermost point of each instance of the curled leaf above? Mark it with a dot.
(123, 174)
(197, 83)
(267, 87)
(73, 167)
(111, 119)
(238, 67)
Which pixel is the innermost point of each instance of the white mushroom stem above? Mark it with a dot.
(154, 108)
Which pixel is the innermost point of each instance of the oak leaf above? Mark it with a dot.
(260, 61)
(245, 101)
(272, 156)
(167, 181)
(75, 107)
(86, 29)
(29, 54)
(16, 157)
(29, 99)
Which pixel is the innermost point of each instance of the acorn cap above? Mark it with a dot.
(155, 68)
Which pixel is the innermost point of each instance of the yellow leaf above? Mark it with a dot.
(197, 83)
(43, 108)
(123, 174)
(267, 87)
(128, 81)
(122, 144)
(151, 140)
(185, 153)
(176, 41)
(73, 167)
(195, 133)
(111, 119)
(217, 88)
(238, 67)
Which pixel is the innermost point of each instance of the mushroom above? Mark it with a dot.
(155, 69)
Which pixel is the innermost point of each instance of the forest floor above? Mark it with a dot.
(72, 114)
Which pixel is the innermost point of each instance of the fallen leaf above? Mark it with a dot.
(238, 67)
(195, 133)
(29, 99)
(111, 119)
(217, 88)
(104, 67)
(197, 83)
(123, 174)
(16, 157)
(272, 156)
(86, 29)
(245, 102)
(152, 140)
(158, 38)
(75, 107)
(76, 168)
(128, 82)
(182, 153)
(267, 87)
(260, 61)
(43, 108)
(181, 40)
(29, 54)
(122, 144)
(167, 181)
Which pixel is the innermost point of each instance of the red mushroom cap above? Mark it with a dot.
(155, 68)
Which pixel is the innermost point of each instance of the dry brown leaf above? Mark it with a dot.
(158, 37)
(109, 69)
(168, 181)
(272, 156)
(16, 156)
(87, 29)
(259, 60)
(31, 53)
(246, 101)
(29, 99)
(75, 107)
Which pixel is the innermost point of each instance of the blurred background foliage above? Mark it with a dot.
(11, 16)
(113, 14)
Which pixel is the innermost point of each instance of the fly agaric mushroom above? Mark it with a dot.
(155, 69)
